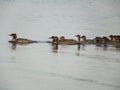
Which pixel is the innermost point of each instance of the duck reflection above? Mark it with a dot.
(117, 46)
(13, 46)
(78, 50)
(105, 47)
(55, 48)
(78, 46)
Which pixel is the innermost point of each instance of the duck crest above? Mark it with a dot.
(14, 36)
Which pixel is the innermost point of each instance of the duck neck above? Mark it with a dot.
(14, 38)
(78, 39)
(56, 41)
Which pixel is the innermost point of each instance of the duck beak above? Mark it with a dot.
(9, 35)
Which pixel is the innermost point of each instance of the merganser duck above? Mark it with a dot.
(85, 41)
(105, 40)
(98, 40)
(54, 39)
(117, 38)
(111, 37)
(114, 39)
(79, 37)
(20, 40)
(54, 43)
(64, 41)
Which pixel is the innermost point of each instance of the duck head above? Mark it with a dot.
(14, 36)
(62, 38)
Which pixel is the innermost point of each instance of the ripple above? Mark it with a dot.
(84, 80)
(102, 58)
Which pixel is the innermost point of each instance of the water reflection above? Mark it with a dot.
(83, 47)
(78, 47)
(78, 50)
(55, 48)
(98, 45)
(13, 47)
(13, 59)
(117, 46)
(105, 47)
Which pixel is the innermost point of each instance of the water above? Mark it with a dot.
(40, 67)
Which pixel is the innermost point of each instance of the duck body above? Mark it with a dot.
(68, 42)
(90, 41)
(20, 40)
(64, 41)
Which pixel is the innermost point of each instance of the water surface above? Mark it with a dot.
(39, 66)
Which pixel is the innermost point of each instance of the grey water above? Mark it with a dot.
(40, 66)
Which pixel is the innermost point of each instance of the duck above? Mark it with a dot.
(20, 40)
(54, 39)
(87, 41)
(111, 37)
(98, 40)
(64, 41)
(54, 42)
(105, 39)
(79, 38)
